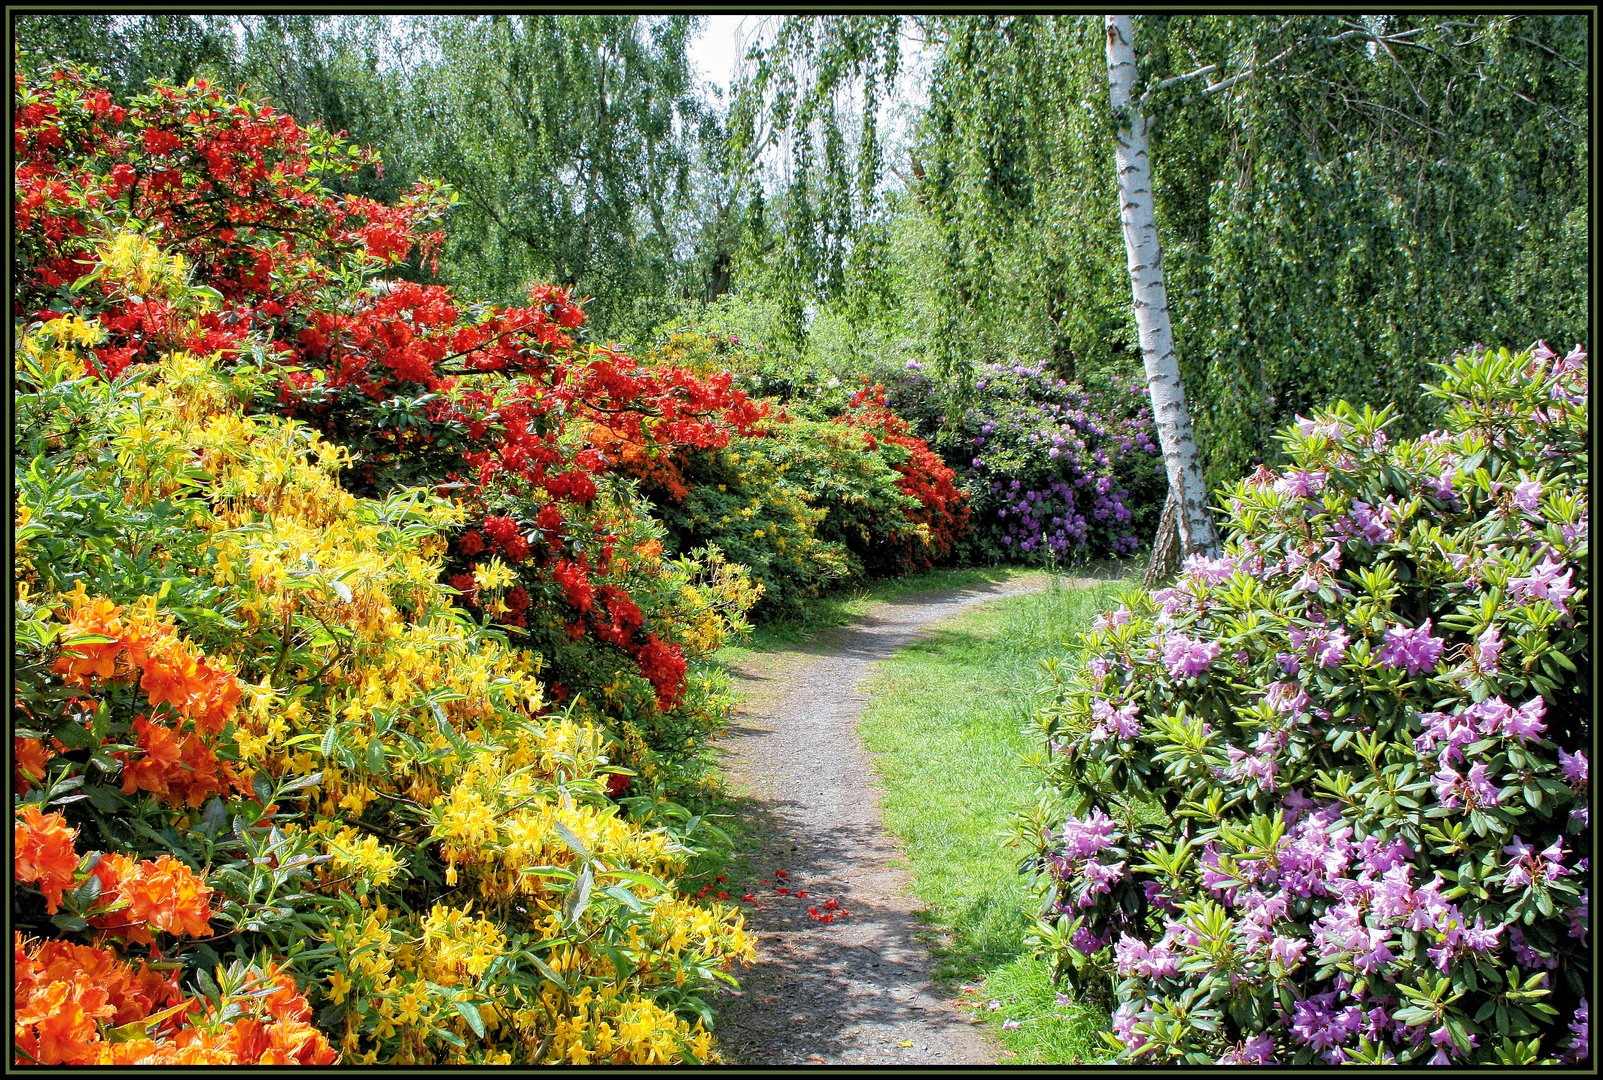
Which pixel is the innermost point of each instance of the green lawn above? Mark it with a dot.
(945, 722)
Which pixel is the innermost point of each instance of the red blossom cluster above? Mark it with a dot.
(942, 509)
(516, 454)
(233, 186)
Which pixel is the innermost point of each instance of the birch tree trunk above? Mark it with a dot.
(1151, 302)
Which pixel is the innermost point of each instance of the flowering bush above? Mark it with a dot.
(935, 518)
(748, 500)
(509, 409)
(1053, 468)
(806, 503)
(257, 737)
(1326, 798)
(227, 662)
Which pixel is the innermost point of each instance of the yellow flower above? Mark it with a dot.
(493, 575)
(338, 986)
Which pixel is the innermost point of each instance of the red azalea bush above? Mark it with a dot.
(236, 188)
(1327, 797)
(937, 518)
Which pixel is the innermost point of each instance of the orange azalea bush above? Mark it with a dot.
(81, 1005)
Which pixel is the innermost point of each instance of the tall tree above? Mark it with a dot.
(571, 140)
(1150, 300)
(1342, 201)
(129, 50)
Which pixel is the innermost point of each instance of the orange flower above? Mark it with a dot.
(56, 1029)
(66, 992)
(97, 617)
(172, 675)
(287, 1002)
(191, 1046)
(150, 771)
(288, 1042)
(167, 895)
(134, 992)
(164, 894)
(44, 853)
(213, 710)
(171, 670)
(29, 758)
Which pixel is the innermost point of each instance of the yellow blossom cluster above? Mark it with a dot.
(138, 265)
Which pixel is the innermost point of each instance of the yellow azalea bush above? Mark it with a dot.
(227, 659)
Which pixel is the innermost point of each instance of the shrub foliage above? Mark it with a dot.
(352, 681)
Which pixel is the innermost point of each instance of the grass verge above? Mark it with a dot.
(945, 723)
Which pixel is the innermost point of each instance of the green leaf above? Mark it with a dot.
(376, 758)
(624, 897)
(470, 1013)
(579, 898)
(551, 975)
(574, 843)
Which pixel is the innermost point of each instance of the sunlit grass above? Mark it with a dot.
(946, 723)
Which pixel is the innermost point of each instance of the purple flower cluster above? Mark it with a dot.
(1344, 833)
(1414, 649)
(1186, 657)
(1053, 469)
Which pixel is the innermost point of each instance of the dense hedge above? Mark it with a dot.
(1326, 797)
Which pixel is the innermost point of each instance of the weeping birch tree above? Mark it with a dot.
(1187, 503)
(1342, 200)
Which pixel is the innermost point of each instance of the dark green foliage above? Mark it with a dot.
(1373, 192)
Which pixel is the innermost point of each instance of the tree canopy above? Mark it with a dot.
(1341, 200)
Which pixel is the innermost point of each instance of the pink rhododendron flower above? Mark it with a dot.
(1185, 656)
(1412, 649)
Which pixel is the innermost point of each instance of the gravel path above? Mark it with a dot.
(855, 990)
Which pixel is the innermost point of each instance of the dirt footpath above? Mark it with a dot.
(850, 982)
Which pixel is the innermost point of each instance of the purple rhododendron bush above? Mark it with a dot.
(1325, 800)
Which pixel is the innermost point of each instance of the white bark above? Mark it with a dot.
(1145, 260)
